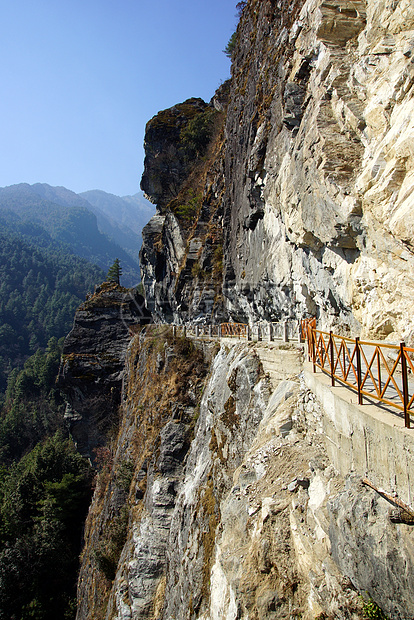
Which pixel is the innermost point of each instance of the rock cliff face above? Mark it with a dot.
(309, 188)
(182, 250)
(218, 500)
(93, 362)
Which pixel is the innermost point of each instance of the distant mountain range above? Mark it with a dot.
(94, 225)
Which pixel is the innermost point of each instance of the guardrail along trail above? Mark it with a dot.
(379, 371)
(374, 370)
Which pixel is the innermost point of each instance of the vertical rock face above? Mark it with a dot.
(292, 230)
(358, 519)
(93, 362)
(168, 158)
(315, 203)
(182, 249)
(185, 441)
(314, 211)
(218, 500)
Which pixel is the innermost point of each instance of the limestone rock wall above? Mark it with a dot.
(316, 169)
(323, 173)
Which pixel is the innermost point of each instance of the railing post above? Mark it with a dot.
(197, 331)
(184, 331)
(359, 380)
(248, 333)
(379, 371)
(331, 354)
(270, 332)
(313, 338)
(299, 331)
(285, 332)
(174, 331)
(221, 330)
(210, 331)
(404, 378)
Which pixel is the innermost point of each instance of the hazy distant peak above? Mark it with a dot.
(132, 211)
(60, 195)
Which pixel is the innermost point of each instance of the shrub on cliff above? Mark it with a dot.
(196, 135)
(231, 45)
(229, 49)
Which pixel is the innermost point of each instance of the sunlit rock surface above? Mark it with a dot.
(318, 171)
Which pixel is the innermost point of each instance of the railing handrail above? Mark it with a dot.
(276, 330)
(368, 372)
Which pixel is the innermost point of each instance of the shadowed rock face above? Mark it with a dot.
(167, 162)
(313, 177)
(93, 361)
(181, 255)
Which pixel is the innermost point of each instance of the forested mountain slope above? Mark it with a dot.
(68, 219)
(45, 488)
(40, 288)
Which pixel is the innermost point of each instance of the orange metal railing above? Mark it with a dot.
(304, 325)
(378, 371)
(234, 329)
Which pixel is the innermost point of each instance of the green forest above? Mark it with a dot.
(45, 485)
(45, 490)
(40, 289)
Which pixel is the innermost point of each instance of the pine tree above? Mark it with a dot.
(115, 272)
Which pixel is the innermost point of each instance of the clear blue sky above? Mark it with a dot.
(80, 78)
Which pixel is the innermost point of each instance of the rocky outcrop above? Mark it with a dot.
(93, 362)
(184, 451)
(130, 517)
(168, 155)
(315, 203)
(182, 249)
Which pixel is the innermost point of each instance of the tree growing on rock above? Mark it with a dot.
(115, 272)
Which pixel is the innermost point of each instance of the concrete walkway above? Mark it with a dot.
(284, 360)
(280, 360)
